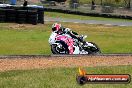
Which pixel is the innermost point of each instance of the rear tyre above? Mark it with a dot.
(61, 49)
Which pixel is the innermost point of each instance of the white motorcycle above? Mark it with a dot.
(60, 45)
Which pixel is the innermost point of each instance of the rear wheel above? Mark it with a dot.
(61, 48)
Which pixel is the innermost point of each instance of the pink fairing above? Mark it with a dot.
(68, 41)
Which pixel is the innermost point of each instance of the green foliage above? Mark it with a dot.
(117, 1)
(106, 2)
(57, 0)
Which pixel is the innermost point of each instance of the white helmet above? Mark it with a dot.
(56, 27)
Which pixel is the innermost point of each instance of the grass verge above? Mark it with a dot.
(58, 77)
(70, 16)
(28, 39)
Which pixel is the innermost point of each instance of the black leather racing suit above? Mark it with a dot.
(71, 33)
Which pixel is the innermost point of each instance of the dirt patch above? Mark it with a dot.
(53, 62)
(20, 26)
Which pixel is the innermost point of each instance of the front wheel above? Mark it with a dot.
(93, 49)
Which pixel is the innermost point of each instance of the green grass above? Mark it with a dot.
(24, 40)
(33, 39)
(58, 77)
(70, 16)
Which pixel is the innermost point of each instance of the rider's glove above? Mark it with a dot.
(67, 30)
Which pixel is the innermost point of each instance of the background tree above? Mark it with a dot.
(127, 3)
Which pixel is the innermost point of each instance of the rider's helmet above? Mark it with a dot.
(56, 27)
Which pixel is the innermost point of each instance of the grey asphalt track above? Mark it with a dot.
(114, 23)
(49, 56)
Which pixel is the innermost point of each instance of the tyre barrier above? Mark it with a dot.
(2, 12)
(40, 17)
(10, 15)
(22, 15)
(2, 15)
(2, 18)
(32, 17)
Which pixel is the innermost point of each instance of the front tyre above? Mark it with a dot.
(95, 49)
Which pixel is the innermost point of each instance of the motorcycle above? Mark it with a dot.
(60, 45)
